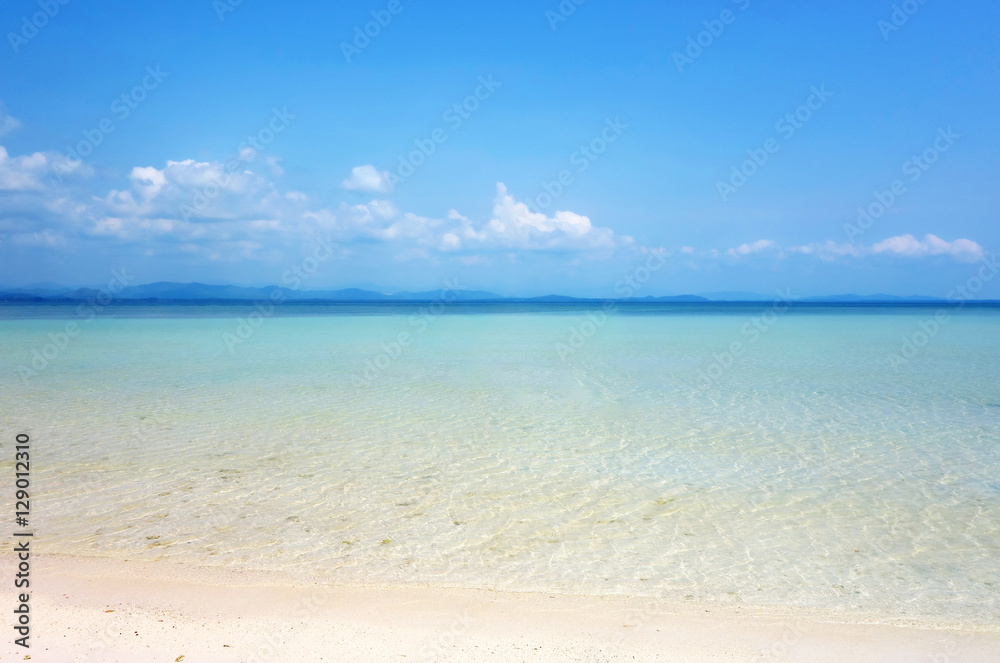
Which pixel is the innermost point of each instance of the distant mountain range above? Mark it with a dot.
(166, 291)
(872, 298)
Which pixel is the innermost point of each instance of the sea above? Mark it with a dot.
(840, 458)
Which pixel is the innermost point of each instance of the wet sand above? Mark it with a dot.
(95, 610)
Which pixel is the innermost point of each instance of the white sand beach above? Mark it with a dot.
(99, 611)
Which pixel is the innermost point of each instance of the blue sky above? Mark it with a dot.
(644, 129)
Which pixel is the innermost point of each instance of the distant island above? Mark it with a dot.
(190, 292)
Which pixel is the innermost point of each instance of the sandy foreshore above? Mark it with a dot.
(101, 611)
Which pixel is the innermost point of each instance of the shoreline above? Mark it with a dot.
(98, 609)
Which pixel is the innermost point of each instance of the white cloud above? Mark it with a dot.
(903, 245)
(450, 242)
(35, 172)
(753, 247)
(514, 225)
(367, 178)
(378, 220)
(383, 209)
(205, 209)
(931, 245)
(829, 250)
(148, 182)
(22, 173)
(200, 191)
(232, 211)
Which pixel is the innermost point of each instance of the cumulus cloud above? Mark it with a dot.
(226, 209)
(33, 172)
(930, 245)
(229, 212)
(367, 178)
(30, 172)
(22, 173)
(199, 191)
(515, 225)
(512, 225)
(207, 209)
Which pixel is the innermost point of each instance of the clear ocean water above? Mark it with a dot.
(497, 447)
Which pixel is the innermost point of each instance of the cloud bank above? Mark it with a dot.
(237, 211)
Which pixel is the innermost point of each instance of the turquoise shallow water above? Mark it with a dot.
(808, 471)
